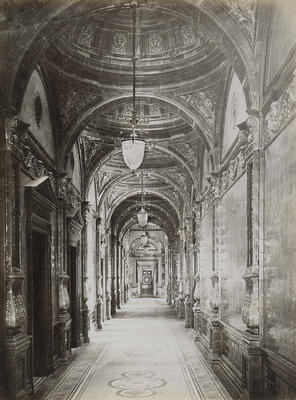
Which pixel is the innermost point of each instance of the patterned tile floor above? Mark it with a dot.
(145, 352)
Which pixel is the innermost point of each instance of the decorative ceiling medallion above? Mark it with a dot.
(119, 43)
(155, 110)
(187, 34)
(155, 44)
(86, 36)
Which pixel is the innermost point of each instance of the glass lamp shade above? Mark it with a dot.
(143, 238)
(142, 216)
(133, 152)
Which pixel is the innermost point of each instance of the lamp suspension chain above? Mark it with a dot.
(134, 60)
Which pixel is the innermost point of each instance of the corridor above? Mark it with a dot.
(145, 351)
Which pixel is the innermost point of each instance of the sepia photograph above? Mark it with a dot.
(148, 199)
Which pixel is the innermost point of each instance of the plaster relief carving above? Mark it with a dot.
(92, 146)
(244, 12)
(203, 101)
(155, 44)
(234, 109)
(86, 35)
(18, 137)
(72, 102)
(16, 312)
(155, 110)
(119, 43)
(250, 309)
(280, 111)
(187, 34)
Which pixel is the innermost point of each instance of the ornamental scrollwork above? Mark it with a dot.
(18, 140)
(280, 111)
(244, 12)
(205, 102)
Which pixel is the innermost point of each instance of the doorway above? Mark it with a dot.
(74, 294)
(147, 282)
(40, 304)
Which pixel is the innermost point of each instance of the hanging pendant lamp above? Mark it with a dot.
(142, 215)
(133, 152)
(133, 147)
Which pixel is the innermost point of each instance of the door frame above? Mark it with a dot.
(40, 202)
(143, 264)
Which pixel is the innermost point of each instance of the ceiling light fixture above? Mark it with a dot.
(142, 215)
(133, 147)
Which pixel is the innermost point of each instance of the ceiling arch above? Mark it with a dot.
(125, 196)
(128, 175)
(197, 123)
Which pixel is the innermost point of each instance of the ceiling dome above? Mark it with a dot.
(166, 43)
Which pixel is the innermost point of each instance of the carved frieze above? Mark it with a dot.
(18, 140)
(280, 111)
(244, 12)
(204, 101)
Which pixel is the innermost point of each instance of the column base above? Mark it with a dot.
(64, 337)
(18, 366)
(85, 320)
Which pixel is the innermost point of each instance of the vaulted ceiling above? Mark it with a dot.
(184, 58)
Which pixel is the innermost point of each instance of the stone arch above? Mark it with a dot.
(135, 192)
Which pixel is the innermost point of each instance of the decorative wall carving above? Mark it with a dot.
(16, 313)
(204, 101)
(215, 301)
(280, 111)
(18, 138)
(250, 310)
(70, 194)
(119, 43)
(196, 293)
(189, 151)
(92, 146)
(64, 301)
(72, 102)
(244, 12)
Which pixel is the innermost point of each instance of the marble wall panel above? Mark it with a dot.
(279, 291)
(206, 260)
(234, 251)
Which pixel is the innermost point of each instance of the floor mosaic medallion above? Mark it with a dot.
(137, 384)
